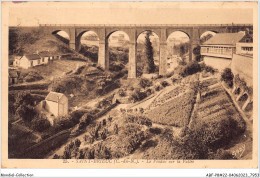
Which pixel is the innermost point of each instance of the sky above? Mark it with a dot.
(35, 13)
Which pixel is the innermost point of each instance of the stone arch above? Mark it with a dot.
(141, 64)
(60, 37)
(173, 31)
(93, 51)
(139, 32)
(202, 31)
(204, 37)
(186, 31)
(79, 35)
(53, 31)
(110, 31)
(118, 49)
(177, 51)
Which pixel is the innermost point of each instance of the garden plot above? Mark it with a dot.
(211, 110)
(215, 104)
(209, 81)
(190, 78)
(167, 96)
(175, 112)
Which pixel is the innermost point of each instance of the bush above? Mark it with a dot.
(56, 157)
(67, 122)
(149, 92)
(174, 80)
(79, 70)
(156, 130)
(115, 66)
(182, 63)
(130, 138)
(208, 68)
(221, 154)
(138, 120)
(217, 133)
(26, 112)
(40, 123)
(75, 116)
(227, 76)
(158, 88)
(86, 118)
(23, 98)
(106, 102)
(32, 77)
(121, 92)
(98, 151)
(164, 83)
(191, 68)
(145, 83)
(90, 52)
(67, 85)
(170, 74)
(137, 95)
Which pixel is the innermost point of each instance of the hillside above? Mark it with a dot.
(164, 126)
(28, 40)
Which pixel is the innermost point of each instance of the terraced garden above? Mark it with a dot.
(174, 107)
(175, 112)
(215, 104)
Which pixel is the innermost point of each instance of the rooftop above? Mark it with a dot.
(225, 39)
(54, 96)
(45, 53)
(32, 56)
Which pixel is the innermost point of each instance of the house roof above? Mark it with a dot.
(32, 56)
(225, 39)
(45, 53)
(54, 96)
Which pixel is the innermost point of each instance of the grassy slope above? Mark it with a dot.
(41, 42)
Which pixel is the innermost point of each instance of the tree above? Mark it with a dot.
(182, 50)
(20, 38)
(23, 98)
(40, 123)
(13, 41)
(149, 60)
(196, 52)
(227, 76)
(26, 112)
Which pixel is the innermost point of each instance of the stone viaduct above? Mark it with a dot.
(194, 32)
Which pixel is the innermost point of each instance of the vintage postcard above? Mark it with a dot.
(129, 85)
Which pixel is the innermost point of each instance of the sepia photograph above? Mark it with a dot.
(137, 84)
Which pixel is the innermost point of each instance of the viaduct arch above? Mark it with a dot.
(163, 31)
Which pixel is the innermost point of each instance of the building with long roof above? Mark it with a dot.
(218, 51)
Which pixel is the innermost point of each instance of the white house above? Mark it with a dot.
(16, 61)
(45, 57)
(30, 60)
(245, 46)
(56, 103)
(218, 51)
